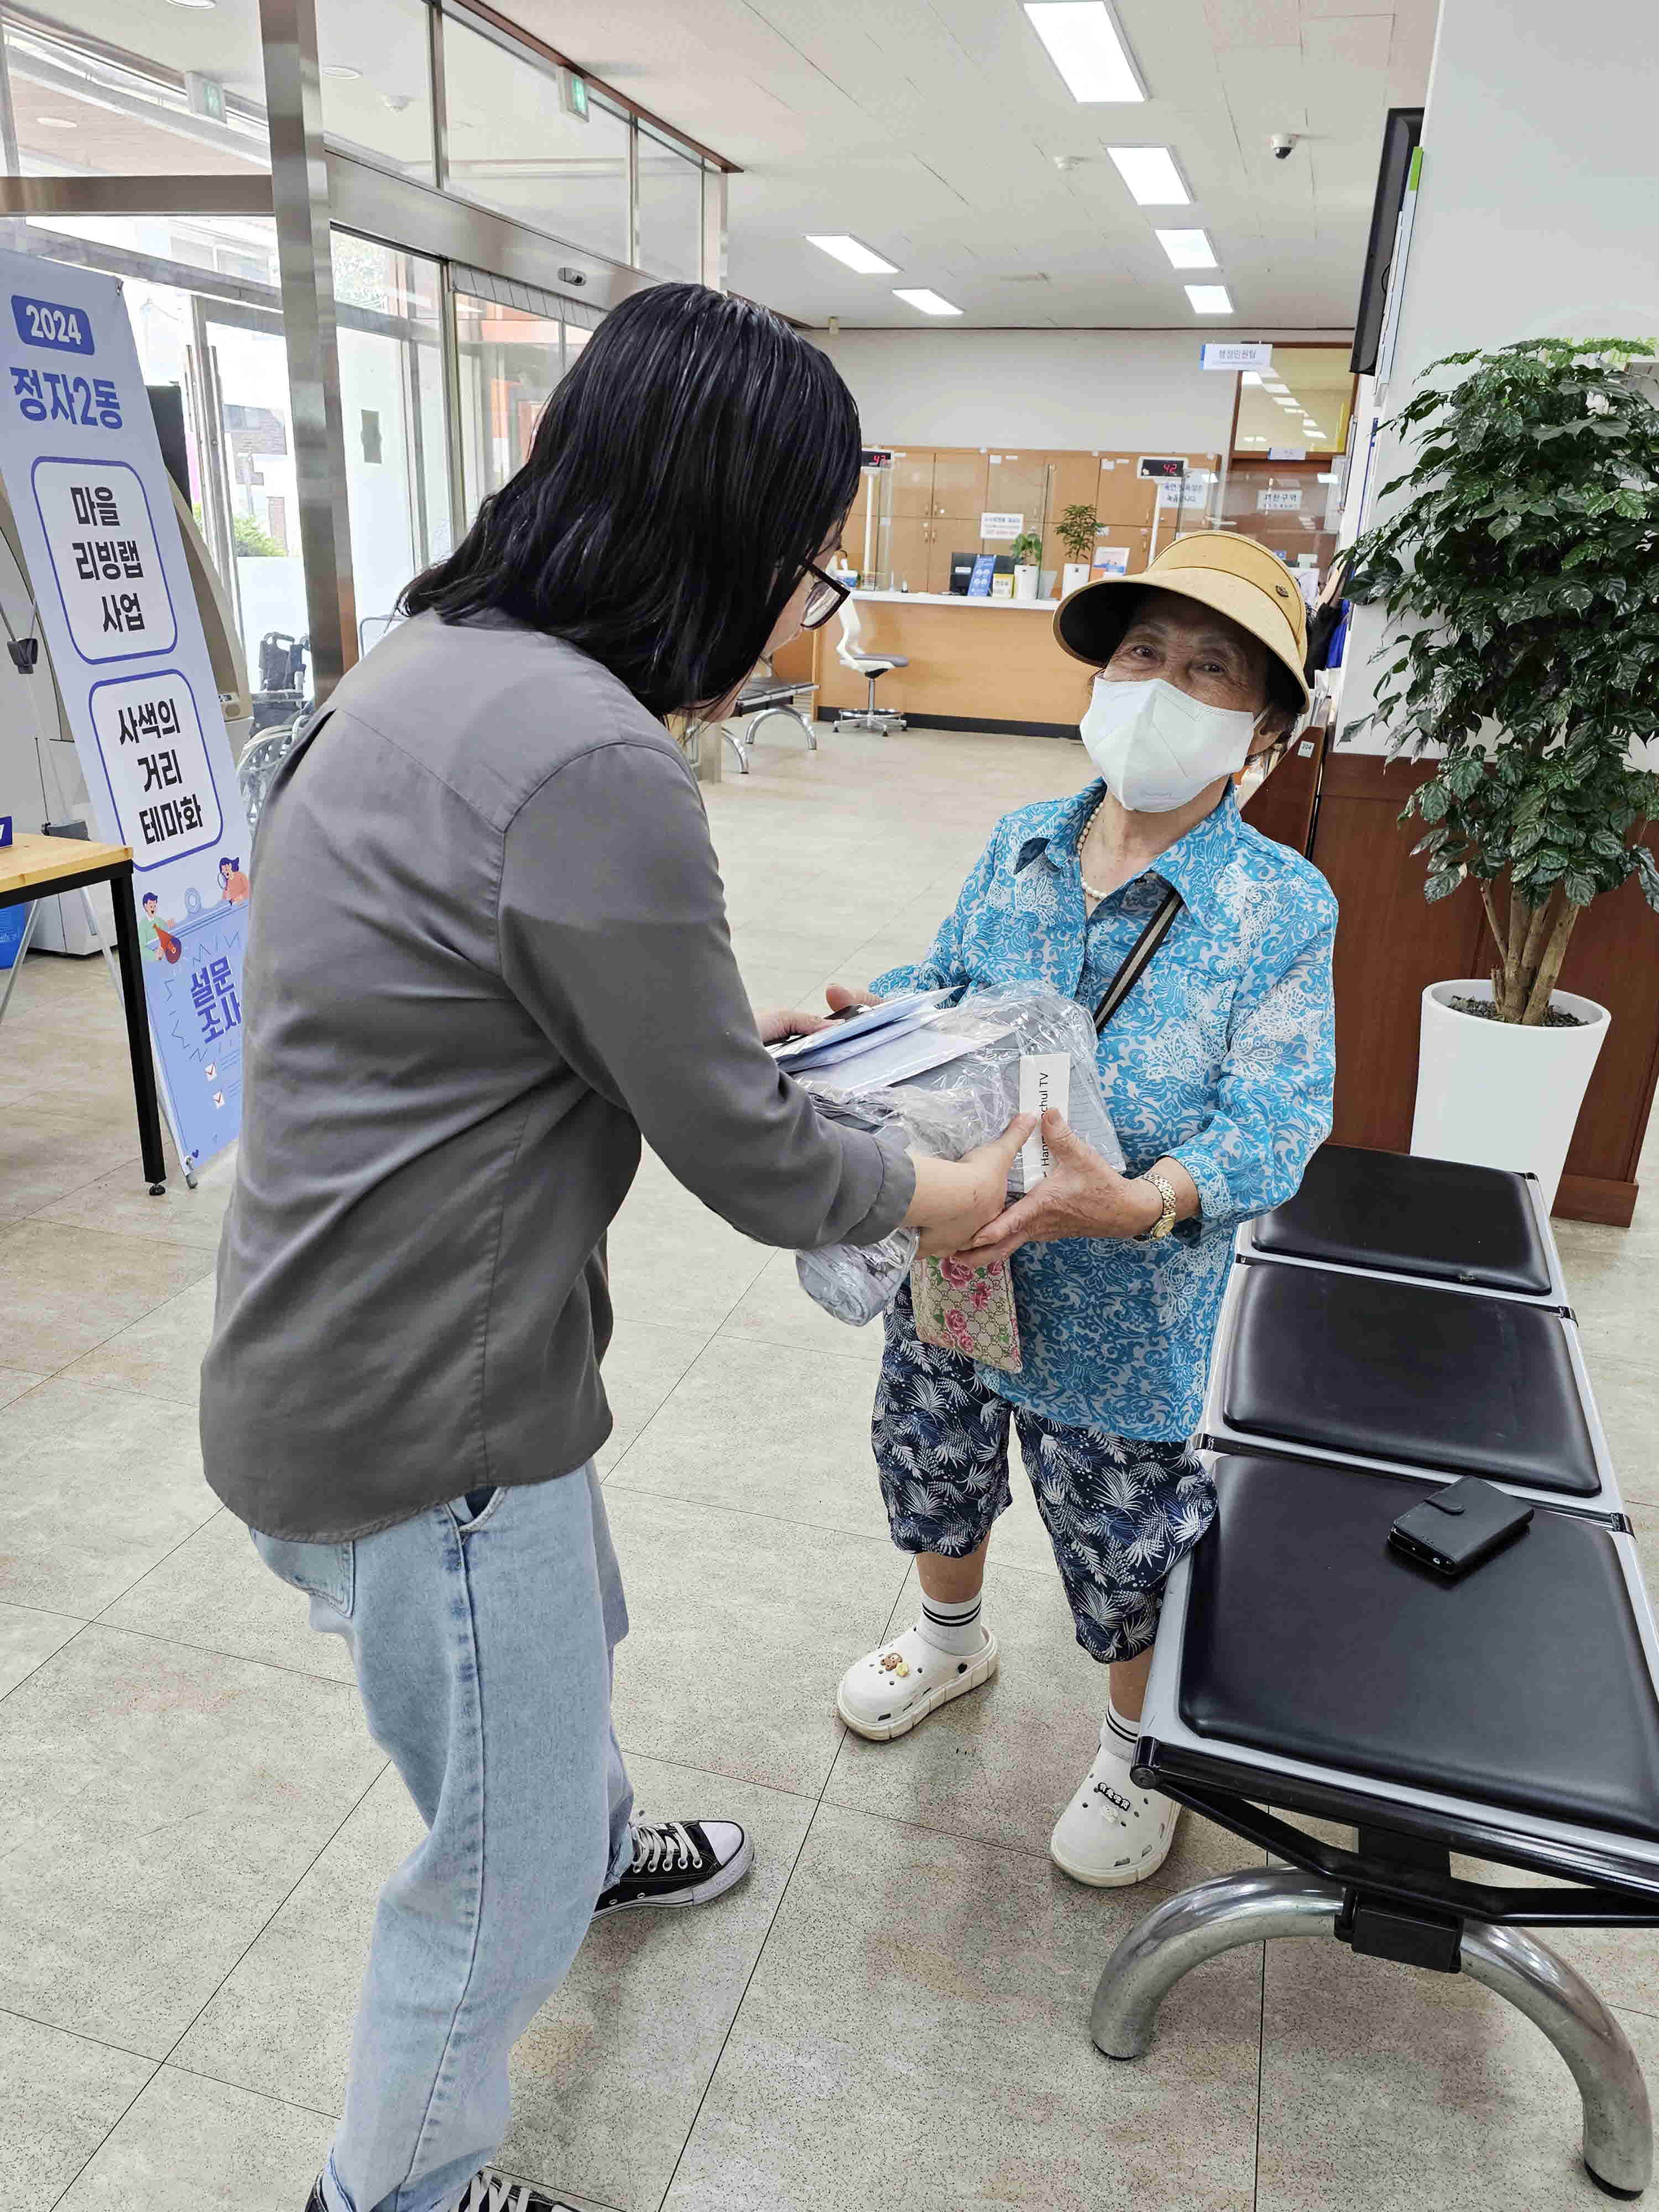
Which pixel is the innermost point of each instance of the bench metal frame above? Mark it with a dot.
(1394, 1895)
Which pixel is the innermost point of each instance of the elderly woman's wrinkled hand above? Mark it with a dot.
(1079, 1196)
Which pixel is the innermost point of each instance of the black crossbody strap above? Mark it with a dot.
(1136, 959)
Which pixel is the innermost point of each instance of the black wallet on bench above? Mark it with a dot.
(1454, 1529)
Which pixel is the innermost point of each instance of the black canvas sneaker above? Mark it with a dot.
(486, 2192)
(678, 1863)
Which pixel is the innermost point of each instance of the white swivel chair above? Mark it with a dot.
(870, 664)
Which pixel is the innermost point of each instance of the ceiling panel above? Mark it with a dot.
(930, 128)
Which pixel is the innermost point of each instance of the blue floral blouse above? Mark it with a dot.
(1222, 1056)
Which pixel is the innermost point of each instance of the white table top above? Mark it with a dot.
(957, 599)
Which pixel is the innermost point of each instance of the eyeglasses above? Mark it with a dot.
(822, 601)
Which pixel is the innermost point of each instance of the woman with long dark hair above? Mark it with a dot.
(488, 951)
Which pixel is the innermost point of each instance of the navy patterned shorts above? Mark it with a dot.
(1119, 1511)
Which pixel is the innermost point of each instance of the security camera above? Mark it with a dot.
(1281, 142)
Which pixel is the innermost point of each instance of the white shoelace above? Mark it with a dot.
(494, 2192)
(660, 1848)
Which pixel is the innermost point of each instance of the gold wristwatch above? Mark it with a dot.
(1166, 1220)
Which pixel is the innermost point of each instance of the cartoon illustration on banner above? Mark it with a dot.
(93, 505)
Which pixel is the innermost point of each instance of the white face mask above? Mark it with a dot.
(1156, 748)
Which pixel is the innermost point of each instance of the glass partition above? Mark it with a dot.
(391, 400)
(670, 210)
(511, 145)
(89, 102)
(377, 82)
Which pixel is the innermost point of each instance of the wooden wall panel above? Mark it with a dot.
(1614, 957)
(1390, 942)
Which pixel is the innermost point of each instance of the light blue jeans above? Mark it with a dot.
(482, 1644)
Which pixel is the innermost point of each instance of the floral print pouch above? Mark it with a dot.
(967, 1306)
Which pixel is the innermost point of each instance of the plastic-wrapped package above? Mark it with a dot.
(1019, 1044)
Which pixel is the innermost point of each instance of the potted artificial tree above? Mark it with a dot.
(1521, 578)
(1076, 531)
(1027, 551)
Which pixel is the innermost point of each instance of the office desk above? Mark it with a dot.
(974, 664)
(36, 867)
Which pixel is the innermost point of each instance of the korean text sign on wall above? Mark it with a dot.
(89, 491)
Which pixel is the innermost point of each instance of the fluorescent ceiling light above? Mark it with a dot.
(854, 252)
(1251, 376)
(1210, 299)
(54, 123)
(929, 302)
(1087, 48)
(1152, 176)
(1272, 383)
(1187, 249)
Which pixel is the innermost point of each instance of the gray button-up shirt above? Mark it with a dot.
(488, 948)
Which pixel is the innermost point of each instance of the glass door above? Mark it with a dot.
(510, 361)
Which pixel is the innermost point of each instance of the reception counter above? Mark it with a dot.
(974, 664)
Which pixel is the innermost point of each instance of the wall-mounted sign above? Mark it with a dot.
(1230, 354)
(1153, 465)
(1001, 526)
(1287, 452)
(82, 467)
(1191, 490)
(1277, 502)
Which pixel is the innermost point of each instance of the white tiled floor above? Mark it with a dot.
(891, 2012)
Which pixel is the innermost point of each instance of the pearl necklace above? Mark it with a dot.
(1088, 889)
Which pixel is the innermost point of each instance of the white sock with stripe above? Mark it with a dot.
(1119, 1736)
(951, 1628)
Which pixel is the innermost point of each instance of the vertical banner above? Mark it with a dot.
(83, 470)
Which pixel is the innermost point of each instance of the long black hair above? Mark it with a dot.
(682, 475)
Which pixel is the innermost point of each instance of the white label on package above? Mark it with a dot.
(1045, 1080)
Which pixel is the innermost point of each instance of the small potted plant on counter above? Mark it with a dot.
(1522, 576)
(1027, 552)
(1077, 530)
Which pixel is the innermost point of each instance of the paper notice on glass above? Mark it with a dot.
(1045, 1080)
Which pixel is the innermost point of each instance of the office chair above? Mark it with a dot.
(870, 664)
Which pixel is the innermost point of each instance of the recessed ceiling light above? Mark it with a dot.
(1087, 48)
(194, 4)
(1187, 249)
(339, 68)
(1152, 176)
(1272, 383)
(853, 251)
(1210, 299)
(56, 123)
(1251, 376)
(929, 302)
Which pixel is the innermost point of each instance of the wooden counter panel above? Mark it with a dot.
(978, 663)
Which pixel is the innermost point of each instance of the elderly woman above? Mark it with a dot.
(1216, 1066)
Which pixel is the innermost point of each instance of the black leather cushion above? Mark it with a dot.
(1524, 1684)
(1434, 1217)
(1403, 1372)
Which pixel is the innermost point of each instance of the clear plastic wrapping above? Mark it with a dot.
(951, 1109)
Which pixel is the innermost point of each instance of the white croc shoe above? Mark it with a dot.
(900, 1683)
(1113, 1832)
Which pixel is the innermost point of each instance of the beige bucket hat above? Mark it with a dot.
(1235, 575)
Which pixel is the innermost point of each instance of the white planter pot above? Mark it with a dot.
(1498, 1094)
(1075, 577)
(1025, 583)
